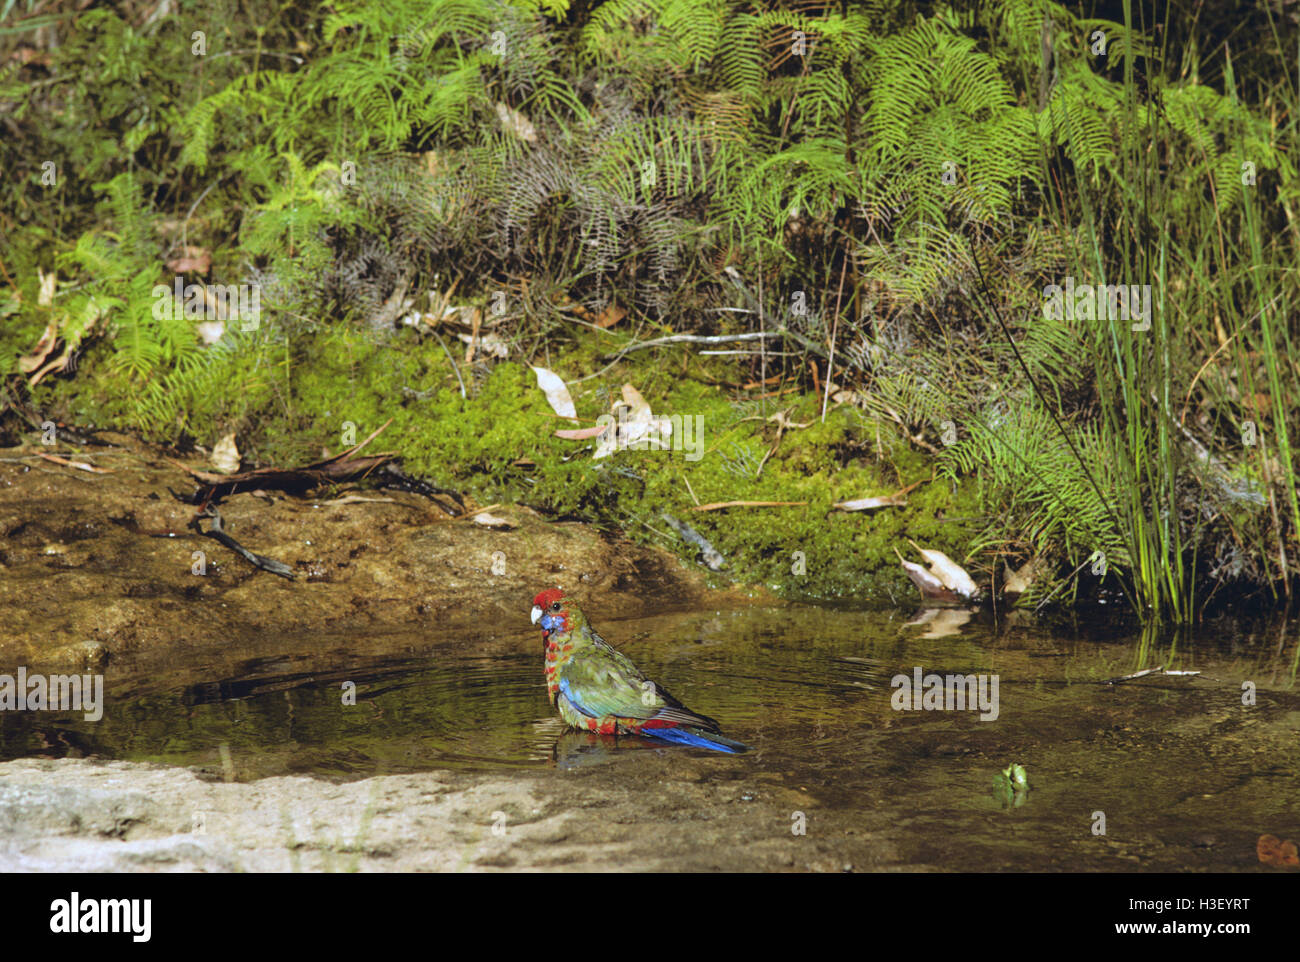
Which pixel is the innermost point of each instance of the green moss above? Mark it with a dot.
(845, 555)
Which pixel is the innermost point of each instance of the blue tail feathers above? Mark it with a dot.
(696, 739)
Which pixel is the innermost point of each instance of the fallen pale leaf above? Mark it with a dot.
(557, 394)
(1021, 580)
(938, 586)
(922, 578)
(710, 555)
(866, 504)
(210, 331)
(869, 503)
(48, 283)
(516, 123)
(635, 425)
(491, 520)
(73, 330)
(640, 406)
(952, 575)
(895, 500)
(490, 344)
(225, 455)
(58, 364)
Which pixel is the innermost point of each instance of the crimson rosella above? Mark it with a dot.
(598, 689)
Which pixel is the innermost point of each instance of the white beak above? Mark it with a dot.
(537, 614)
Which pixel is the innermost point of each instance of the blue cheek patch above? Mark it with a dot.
(551, 622)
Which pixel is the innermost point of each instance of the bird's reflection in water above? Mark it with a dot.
(574, 750)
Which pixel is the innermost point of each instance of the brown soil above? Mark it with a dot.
(85, 581)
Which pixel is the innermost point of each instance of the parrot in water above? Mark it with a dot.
(598, 689)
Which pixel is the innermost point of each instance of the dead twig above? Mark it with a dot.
(79, 465)
(1147, 671)
(471, 515)
(695, 339)
(341, 467)
(781, 424)
(217, 533)
(718, 505)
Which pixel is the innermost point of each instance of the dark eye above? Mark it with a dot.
(555, 607)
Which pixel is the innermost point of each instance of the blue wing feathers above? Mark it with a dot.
(682, 736)
(567, 691)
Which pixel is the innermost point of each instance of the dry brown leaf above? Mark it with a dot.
(1273, 851)
(1019, 581)
(580, 434)
(43, 348)
(193, 260)
(1290, 854)
(26, 55)
(611, 315)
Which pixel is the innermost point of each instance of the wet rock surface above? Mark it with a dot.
(80, 815)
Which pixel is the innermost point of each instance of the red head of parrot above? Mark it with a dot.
(548, 611)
